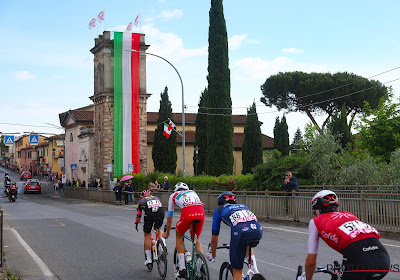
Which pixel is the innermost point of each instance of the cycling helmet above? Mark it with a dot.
(181, 187)
(325, 199)
(145, 193)
(226, 197)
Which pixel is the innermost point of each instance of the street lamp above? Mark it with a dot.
(183, 108)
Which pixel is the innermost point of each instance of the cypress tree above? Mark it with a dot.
(277, 135)
(164, 150)
(252, 147)
(285, 137)
(219, 121)
(201, 134)
(340, 127)
(297, 139)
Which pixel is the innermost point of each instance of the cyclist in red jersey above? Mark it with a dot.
(358, 242)
(192, 209)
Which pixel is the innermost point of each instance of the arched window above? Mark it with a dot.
(71, 138)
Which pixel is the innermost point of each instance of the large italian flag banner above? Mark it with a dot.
(126, 102)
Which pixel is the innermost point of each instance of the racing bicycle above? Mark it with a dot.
(331, 271)
(196, 267)
(158, 254)
(226, 272)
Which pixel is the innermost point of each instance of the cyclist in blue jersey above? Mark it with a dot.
(244, 228)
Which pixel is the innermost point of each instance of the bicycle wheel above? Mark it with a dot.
(225, 273)
(150, 265)
(201, 268)
(162, 259)
(258, 276)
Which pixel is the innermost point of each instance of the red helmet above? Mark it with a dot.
(226, 197)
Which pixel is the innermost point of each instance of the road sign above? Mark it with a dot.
(109, 167)
(34, 139)
(74, 167)
(130, 167)
(64, 178)
(9, 139)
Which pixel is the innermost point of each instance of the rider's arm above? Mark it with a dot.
(311, 264)
(214, 244)
(215, 232)
(171, 206)
(313, 241)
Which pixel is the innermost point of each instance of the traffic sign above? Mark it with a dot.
(9, 139)
(34, 139)
(74, 167)
(109, 167)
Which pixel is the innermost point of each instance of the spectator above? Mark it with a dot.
(56, 187)
(231, 186)
(130, 189)
(291, 184)
(166, 184)
(153, 187)
(78, 183)
(118, 193)
(99, 185)
(68, 183)
(61, 188)
(83, 184)
(126, 193)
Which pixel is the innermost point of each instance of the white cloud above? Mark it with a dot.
(292, 50)
(169, 15)
(235, 42)
(24, 75)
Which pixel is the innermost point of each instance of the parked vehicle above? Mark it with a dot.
(33, 186)
(25, 175)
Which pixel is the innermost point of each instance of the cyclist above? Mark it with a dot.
(244, 228)
(342, 231)
(192, 209)
(154, 215)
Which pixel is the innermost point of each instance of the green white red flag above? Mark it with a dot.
(168, 129)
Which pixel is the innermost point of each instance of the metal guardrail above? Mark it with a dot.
(1, 238)
(381, 210)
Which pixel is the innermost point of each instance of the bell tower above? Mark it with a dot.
(103, 100)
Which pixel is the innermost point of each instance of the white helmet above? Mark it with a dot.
(323, 199)
(181, 187)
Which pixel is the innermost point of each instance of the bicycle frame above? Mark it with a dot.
(191, 266)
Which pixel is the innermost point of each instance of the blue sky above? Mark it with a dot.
(46, 67)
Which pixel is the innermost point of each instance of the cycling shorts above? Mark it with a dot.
(240, 235)
(155, 219)
(365, 254)
(189, 214)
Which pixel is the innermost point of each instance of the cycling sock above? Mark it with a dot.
(253, 261)
(181, 257)
(148, 254)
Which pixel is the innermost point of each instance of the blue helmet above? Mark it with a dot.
(226, 197)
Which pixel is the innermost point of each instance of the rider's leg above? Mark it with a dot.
(147, 245)
(180, 248)
(199, 246)
(237, 274)
(253, 259)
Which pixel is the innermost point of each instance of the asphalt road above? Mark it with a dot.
(49, 237)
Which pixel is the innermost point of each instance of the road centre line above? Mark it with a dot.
(42, 266)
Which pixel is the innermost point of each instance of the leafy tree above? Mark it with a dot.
(380, 128)
(252, 147)
(340, 128)
(219, 121)
(318, 93)
(164, 150)
(297, 139)
(201, 134)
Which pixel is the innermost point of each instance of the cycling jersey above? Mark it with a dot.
(338, 229)
(154, 212)
(192, 209)
(244, 228)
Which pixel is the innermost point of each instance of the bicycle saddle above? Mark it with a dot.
(252, 243)
(195, 221)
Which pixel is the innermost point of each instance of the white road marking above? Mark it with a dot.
(42, 266)
(288, 230)
(258, 260)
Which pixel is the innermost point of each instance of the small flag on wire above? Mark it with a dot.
(137, 19)
(101, 17)
(92, 23)
(129, 27)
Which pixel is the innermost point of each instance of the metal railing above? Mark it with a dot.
(379, 209)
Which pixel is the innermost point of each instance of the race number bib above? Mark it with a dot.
(191, 201)
(154, 204)
(354, 228)
(242, 216)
